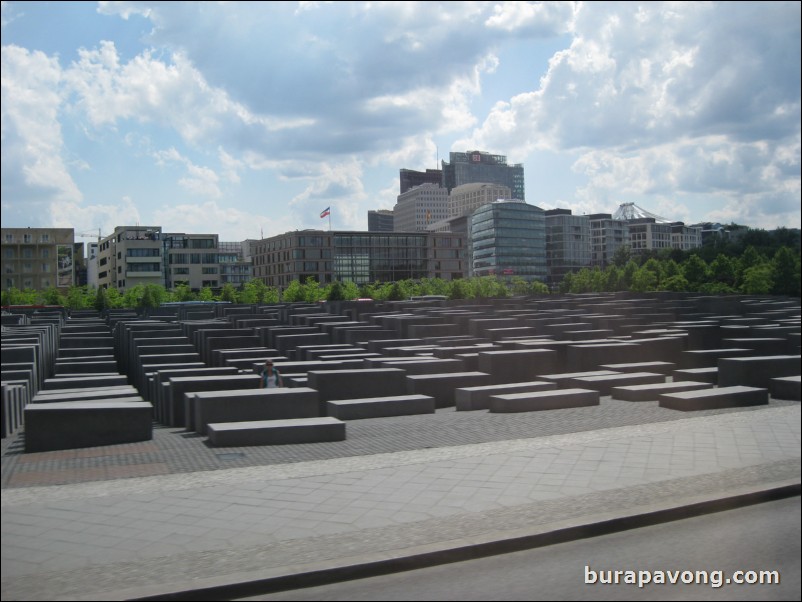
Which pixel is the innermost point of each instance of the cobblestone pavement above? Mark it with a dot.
(174, 513)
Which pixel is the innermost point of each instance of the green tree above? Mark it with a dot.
(293, 293)
(312, 293)
(723, 270)
(488, 287)
(757, 280)
(114, 299)
(206, 294)
(628, 275)
(519, 286)
(132, 298)
(671, 268)
(182, 292)
(539, 288)
(78, 297)
(644, 280)
(695, 271)
(786, 272)
(396, 292)
(255, 291)
(153, 296)
(228, 293)
(100, 302)
(612, 278)
(460, 289)
(566, 283)
(676, 283)
(334, 292)
(622, 256)
(53, 297)
(350, 290)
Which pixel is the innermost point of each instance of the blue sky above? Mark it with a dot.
(249, 119)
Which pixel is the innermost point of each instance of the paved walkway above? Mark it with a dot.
(181, 531)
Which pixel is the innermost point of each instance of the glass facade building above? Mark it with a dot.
(477, 166)
(361, 257)
(409, 178)
(508, 239)
(380, 220)
(567, 243)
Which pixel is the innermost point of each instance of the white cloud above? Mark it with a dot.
(198, 180)
(666, 98)
(229, 223)
(542, 18)
(87, 219)
(34, 172)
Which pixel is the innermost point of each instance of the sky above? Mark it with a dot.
(249, 119)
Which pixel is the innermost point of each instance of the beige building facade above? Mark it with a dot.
(39, 258)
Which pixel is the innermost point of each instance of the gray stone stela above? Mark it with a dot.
(276, 432)
(380, 407)
(537, 401)
(710, 399)
(71, 425)
(478, 398)
(653, 391)
(251, 404)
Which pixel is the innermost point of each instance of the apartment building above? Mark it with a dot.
(40, 258)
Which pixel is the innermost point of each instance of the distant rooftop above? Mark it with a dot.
(628, 211)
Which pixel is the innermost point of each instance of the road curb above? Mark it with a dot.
(285, 578)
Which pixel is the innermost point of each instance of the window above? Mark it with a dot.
(27, 238)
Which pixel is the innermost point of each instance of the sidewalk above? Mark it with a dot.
(190, 530)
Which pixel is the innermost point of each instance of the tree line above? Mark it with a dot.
(752, 273)
(257, 292)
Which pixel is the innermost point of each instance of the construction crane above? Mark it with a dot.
(90, 235)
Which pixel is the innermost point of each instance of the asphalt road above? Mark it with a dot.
(765, 537)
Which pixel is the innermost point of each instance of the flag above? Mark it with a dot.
(325, 212)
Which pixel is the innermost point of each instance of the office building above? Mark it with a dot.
(410, 178)
(380, 220)
(508, 239)
(419, 207)
(39, 258)
(647, 234)
(607, 235)
(361, 257)
(478, 166)
(685, 237)
(235, 268)
(467, 198)
(130, 256)
(567, 243)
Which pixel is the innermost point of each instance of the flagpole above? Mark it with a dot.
(329, 220)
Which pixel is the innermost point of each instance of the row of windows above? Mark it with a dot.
(11, 268)
(27, 253)
(194, 258)
(142, 253)
(27, 238)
